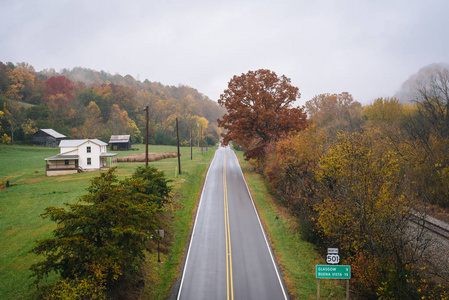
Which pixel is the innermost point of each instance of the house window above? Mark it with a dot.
(88, 149)
(66, 162)
(89, 161)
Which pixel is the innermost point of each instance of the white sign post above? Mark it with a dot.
(333, 272)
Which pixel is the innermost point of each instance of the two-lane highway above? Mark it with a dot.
(229, 256)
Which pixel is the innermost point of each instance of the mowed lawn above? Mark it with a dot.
(31, 191)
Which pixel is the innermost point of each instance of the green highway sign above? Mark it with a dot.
(333, 272)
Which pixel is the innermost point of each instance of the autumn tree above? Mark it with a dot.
(4, 78)
(199, 127)
(29, 127)
(291, 168)
(59, 85)
(365, 211)
(14, 117)
(41, 114)
(103, 90)
(259, 111)
(427, 124)
(187, 109)
(34, 93)
(92, 127)
(4, 138)
(102, 99)
(423, 139)
(120, 123)
(335, 113)
(125, 97)
(146, 98)
(20, 80)
(387, 116)
(383, 110)
(213, 133)
(166, 112)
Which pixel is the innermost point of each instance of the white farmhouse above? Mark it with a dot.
(80, 155)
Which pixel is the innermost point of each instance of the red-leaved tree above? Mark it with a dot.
(58, 85)
(259, 111)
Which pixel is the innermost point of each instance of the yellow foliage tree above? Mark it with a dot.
(364, 210)
(29, 127)
(384, 110)
(200, 121)
(4, 139)
(93, 123)
(120, 123)
(103, 90)
(361, 192)
(18, 78)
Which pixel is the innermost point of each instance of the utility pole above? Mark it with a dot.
(191, 156)
(179, 153)
(201, 130)
(146, 137)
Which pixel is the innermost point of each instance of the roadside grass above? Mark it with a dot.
(296, 258)
(30, 192)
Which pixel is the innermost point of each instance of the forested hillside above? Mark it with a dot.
(83, 103)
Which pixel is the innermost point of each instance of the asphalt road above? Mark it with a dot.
(229, 256)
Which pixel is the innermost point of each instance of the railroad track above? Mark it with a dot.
(428, 225)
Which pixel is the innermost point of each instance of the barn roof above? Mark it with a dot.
(76, 143)
(53, 133)
(120, 138)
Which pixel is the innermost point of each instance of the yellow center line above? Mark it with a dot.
(229, 284)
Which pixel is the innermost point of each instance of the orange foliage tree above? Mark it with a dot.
(290, 169)
(259, 111)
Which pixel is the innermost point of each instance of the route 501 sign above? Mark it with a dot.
(332, 257)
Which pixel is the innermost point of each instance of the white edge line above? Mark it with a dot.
(263, 231)
(194, 226)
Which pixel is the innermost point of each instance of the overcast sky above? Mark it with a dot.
(366, 48)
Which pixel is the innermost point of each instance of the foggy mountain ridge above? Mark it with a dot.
(408, 92)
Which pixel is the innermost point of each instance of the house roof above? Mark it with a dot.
(119, 138)
(63, 157)
(76, 143)
(53, 133)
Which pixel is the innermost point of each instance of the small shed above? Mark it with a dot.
(120, 142)
(47, 137)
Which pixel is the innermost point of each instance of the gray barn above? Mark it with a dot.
(47, 137)
(120, 142)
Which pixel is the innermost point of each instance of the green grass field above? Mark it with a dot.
(30, 192)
